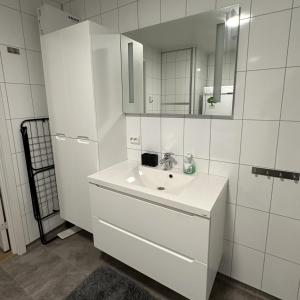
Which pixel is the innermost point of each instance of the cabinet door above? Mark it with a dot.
(132, 75)
(75, 159)
(81, 118)
(56, 89)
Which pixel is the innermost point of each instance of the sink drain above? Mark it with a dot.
(161, 188)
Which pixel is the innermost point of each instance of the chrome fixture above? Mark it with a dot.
(168, 161)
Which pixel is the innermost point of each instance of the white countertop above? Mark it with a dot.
(197, 197)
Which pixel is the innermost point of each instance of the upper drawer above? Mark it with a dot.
(183, 233)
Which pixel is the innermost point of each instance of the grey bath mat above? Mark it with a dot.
(107, 284)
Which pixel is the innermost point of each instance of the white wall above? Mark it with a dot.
(23, 91)
(263, 215)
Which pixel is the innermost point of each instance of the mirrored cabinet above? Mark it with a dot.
(182, 67)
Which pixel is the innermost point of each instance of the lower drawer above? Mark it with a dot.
(183, 275)
(178, 231)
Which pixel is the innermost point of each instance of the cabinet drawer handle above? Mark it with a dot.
(82, 139)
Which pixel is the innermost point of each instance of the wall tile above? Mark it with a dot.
(288, 147)
(283, 238)
(294, 45)
(15, 125)
(148, 12)
(20, 102)
(281, 278)
(228, 170)
(268, 41)
(106, 5)
(30, 6)
(225, 140)
(196, 6)
(22, 167)
(111, 20)
(245, 6)
(285, 198)
(92, 8)
(172, 9)
(243, 45)
(124, 2)
(247, 265)
(296, 3)
(11, 27)
(239, 95)
(128, 17)
(10, 136)
(251, 227)
(133, 154)
(229, 221)
(31, 32)
(77, 9)
(254, 191)
(225, 266)
(39, 100)
(35, 66)
(259, 143)
(14, 66)
(96, 19)
(197, 136)
(150, 131)
(4, 100)
(172, 135)
(260, 7)
(11, 3)
(201, 165)
(263, 101)
(291, 104)
(133, 127)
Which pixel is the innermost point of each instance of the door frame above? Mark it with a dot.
(9, 189)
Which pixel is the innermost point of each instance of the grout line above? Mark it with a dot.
(241, 142)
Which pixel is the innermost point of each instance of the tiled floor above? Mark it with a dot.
(53, 271)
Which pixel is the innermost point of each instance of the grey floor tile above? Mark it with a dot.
(9, 289)
(78, 250)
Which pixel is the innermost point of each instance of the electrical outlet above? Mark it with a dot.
(135, 140)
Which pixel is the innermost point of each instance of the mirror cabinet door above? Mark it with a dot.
(182, 67)
(132, 75)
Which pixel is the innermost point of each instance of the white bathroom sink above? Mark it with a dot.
(165, 181)
(195, 194)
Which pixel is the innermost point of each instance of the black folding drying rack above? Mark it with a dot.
(41, 173)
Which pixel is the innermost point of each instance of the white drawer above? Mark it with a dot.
(183, 233)
(177, 272)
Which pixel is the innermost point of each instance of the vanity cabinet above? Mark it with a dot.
(179, 249)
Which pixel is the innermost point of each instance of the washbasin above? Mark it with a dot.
(164, 181)
(196, 194)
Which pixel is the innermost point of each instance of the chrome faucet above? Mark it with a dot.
(168, 161)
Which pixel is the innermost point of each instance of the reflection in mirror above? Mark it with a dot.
(186, 66)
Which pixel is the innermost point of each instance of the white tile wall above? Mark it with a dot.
(260, 7)
(251, 228)
(21, 96)
(259, 143)
(268, 34)
(247, 265)
(148, 12)
(263, 101)
(281, 278)
(288, 146)
(291, 105)
(268, 41)
(283, 238)
(254, 191)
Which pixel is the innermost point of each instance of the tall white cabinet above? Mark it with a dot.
(82, 67)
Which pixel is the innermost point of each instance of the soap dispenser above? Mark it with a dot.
(189, 166)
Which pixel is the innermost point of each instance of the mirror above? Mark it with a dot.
(186, 66)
